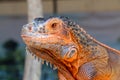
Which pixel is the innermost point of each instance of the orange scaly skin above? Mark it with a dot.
(68, 47)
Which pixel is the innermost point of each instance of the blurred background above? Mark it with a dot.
(100, 18)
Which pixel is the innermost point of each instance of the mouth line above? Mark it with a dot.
(31, 36)
(35, 37)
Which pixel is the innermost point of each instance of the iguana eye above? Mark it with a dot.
(54, 25)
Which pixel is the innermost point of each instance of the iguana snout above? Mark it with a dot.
(51, 36)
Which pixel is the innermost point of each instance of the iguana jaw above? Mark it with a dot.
(60, 66)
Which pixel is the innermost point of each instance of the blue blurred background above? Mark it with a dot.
(101, 19)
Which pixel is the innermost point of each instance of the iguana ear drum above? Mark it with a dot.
(71, 54)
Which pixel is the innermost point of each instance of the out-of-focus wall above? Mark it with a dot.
(13, 8)
(64, 6)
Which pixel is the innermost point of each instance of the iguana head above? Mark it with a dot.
(57, 39)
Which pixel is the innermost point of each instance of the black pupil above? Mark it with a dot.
(54, 25)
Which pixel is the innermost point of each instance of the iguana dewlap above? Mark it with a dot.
(67, 46)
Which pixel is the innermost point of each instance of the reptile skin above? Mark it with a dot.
(67, 46)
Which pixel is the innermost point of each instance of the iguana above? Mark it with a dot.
(67, 46)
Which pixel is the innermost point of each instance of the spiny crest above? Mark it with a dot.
(78, 31)
(82, 37)
(80, 34)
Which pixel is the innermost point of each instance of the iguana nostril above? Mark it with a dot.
(26, 27)
(30, 28)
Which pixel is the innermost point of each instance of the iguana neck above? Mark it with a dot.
(89, 51)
